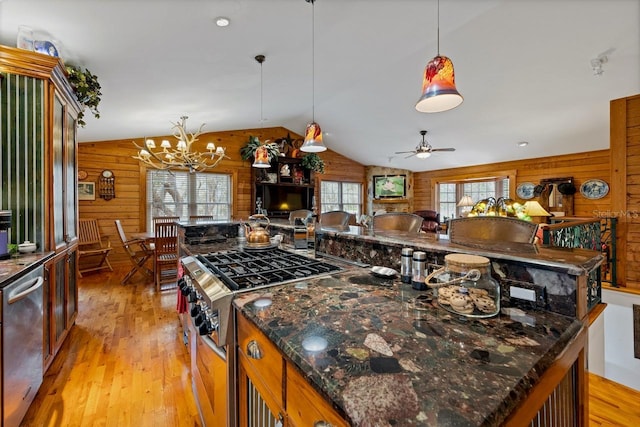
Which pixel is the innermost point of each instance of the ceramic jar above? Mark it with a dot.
(464, 286)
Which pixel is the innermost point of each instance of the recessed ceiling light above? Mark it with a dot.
(221, 21)
(523, 144)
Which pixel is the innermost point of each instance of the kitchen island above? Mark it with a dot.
(377, 352)
(382, 353)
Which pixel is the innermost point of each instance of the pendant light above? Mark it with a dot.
(439, 91)
(313, 133)
(261, 156)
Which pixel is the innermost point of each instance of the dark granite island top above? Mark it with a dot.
(13, 268)
(393, 357)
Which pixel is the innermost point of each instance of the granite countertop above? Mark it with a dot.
(11, 269)
(574, 261)
(393, 357)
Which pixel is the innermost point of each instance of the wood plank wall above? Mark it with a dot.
(625, 178)
(580, 166)
(129, 203)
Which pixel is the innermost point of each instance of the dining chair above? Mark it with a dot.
(157, 219)
(166, 254)
(397, 221)
(335, 220)
(93, 246)
(139, 252)
(198, 218)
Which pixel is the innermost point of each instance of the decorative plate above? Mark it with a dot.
(82, 175)
(525, 190)
(594, 189)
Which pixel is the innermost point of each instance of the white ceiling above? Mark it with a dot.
(523, 67)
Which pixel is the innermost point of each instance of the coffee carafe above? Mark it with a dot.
(5, 234)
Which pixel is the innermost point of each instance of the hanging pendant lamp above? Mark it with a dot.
(313, 133)
(439, 91)
(261, 156)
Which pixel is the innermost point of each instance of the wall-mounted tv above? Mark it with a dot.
(389, 186)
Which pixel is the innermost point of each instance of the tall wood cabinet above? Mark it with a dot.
(38, 170)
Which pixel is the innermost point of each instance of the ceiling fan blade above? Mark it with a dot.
(405, 152)
(411, 155)
(443, 149)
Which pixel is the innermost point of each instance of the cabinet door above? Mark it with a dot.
(48, 348)
(71, 287)
(256, 406)
(71, 183)
(57, 151)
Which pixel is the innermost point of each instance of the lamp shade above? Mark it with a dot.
(465, 201)
(439, 91)
(261, 158)
(313, 139)
(533, 208)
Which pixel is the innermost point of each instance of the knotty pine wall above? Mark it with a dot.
(130, 188)
(625, 186)
(579, 166)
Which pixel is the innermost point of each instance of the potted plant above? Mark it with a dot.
(87, 90)
(313, 162)
(248, 151)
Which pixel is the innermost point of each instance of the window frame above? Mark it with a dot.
(341, 203)
(144, 203)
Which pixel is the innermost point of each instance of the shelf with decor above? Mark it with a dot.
(284, 187)
(390, 201)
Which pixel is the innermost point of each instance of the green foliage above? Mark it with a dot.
(313, 162)
(248, 151)
(87, 90)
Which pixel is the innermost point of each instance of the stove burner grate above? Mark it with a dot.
(245, 270)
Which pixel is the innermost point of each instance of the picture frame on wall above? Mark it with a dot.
(388, 187)
(86, 191)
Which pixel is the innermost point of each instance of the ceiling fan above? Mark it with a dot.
(423, 149)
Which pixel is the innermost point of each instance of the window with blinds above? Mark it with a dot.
(341, 196)
(185, 194)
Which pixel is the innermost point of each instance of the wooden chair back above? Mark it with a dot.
(91, 245)
(197, 218)
(166, 238)
(138, 252)
(159, 219)
(166, 254)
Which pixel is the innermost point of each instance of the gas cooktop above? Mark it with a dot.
(251, 269)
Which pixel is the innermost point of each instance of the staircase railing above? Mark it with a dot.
(597, 234)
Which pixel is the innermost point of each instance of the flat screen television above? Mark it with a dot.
(393, 186)
(279, 200)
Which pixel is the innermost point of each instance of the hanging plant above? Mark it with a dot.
(249, 151)
(87, 90)
(313, 162)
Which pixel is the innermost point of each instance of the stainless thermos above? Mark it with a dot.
(406, 260)
(419, 267)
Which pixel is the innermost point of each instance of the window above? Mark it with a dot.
(450, 193)
(185, 194)
(341, 196)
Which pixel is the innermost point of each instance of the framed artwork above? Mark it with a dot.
(394, 186)
(86, 191)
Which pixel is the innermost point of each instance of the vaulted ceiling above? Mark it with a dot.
(524, 68)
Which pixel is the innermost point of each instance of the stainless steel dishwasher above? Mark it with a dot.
(22, 343)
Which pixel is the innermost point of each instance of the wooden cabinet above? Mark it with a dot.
(38, 114)
(267, 380)
(284, 187)
(60, 301)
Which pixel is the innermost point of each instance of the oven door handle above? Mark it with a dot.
(32, 286)
(212, 345)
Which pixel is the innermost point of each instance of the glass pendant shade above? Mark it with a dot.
(313, 139)
(261, 158)
(439, 91)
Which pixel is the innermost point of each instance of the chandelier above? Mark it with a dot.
(181, 157)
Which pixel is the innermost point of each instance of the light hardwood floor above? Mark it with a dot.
(124, 364)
